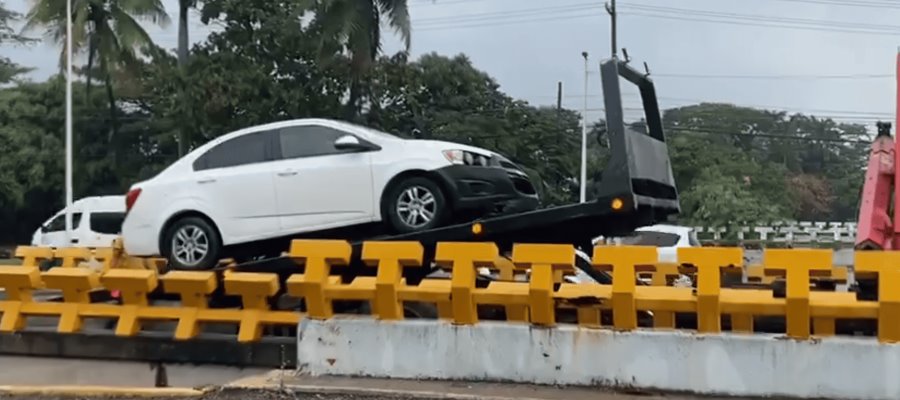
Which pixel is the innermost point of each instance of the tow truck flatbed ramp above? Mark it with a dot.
(637, 189)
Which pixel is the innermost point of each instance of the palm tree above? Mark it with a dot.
(356, 26)
(109, 30)
(184, 8)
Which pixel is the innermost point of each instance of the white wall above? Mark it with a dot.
(759, 365)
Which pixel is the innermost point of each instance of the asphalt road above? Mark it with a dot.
(259, 384)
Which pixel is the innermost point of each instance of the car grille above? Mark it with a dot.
(518, 177)
(522, 184)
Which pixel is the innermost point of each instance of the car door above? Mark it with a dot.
(317, 185)
(234, 181)
(53, 233)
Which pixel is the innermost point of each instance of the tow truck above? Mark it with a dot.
(637, 189)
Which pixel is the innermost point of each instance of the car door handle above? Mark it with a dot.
(287, 173)
(206, 180)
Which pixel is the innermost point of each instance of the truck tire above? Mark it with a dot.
(191, 244)
(415, 204)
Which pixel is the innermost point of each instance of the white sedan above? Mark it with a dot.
(245, 192)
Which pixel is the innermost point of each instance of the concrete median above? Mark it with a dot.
(724, 364)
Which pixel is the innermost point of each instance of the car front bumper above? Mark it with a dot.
(482, 191)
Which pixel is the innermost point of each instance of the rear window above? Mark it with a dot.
(651, 238)
(109, 223)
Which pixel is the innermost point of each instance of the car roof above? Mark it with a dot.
(665, 228)
(291, 122)
(100, 203)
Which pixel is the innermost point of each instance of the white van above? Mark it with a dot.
(96, 222)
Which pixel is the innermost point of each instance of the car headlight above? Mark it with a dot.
(462, 157)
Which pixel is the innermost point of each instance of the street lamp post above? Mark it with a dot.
(69, 121)
(583, 195)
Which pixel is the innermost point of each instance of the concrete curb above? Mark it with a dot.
(101, 391)
(358, 391)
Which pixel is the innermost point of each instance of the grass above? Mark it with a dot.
(8, 261)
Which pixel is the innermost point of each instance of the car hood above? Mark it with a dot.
(440, 145)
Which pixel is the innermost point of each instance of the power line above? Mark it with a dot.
(696, 101)
(764, 18)
(504, 23)
(735, 19)
(765, 135)
(848, 3)
(774, 77)
(506, 14)
(504, 20)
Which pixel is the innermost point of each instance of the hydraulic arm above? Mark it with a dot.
(878, 223)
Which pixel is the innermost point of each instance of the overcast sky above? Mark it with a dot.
(831, 58)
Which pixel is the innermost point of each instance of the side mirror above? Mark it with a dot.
(350, 142)
(44, 229)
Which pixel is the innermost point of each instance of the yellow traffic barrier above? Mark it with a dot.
(797, 265)
(535, 301)
(317, 256)
(624, 262)
(886, 265)
(464, 259)
(19, 284)
(547, 262)
(32, 256)
(710, 261)
(390, 258)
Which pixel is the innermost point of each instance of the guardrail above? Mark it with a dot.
(789, 233)
(536, 301)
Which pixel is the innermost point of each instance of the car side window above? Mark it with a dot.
(309, 141)
(246, 149)
(58, 224)
(109, 223)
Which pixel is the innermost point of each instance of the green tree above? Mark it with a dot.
(107, 30)
(355, 25)
(9, 69)
(807, 167)
(723, 201)
(32, 121)
(262, 66)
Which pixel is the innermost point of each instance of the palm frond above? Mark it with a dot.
(397, 12)
(147, 10)
(130, 34)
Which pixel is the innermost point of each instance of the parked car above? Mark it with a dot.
(312, 175)
(667, 239)
(96, 222)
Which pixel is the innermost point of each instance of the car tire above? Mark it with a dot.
(415, 204)
(192, 244)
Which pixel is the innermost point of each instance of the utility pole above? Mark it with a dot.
(559, 105)
(611, 9)
(558, 98)
(584, 119)
(69, 121)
